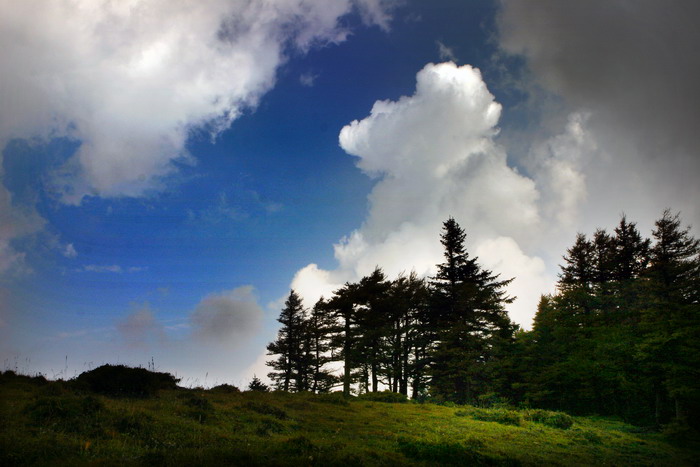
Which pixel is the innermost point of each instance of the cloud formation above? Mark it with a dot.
(632, 67)
(435, 156)
(129, 80)
(218, 337)
(15, 222)
(227, 316)
(141, 328)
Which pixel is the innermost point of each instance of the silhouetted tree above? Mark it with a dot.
(257, 385)
(318, 329)
(290, 365)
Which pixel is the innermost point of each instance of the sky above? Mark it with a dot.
(170, 170)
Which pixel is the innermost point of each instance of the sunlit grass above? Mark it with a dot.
(52, 424)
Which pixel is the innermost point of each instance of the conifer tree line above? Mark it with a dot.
(621, 335)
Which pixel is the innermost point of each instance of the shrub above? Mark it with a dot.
(335, 398)
(502, 416)
(226, 389)
(384, 396)
(549, 418)
(123, 381)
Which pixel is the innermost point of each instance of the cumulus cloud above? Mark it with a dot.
(233, 314)
(434, 156)
(632, 67)
(129, 80)
(557, 165)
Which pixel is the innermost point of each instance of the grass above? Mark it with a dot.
(52, 423)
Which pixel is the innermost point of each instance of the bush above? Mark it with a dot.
(226, 389)
(123, 381)
(549, 418)
(335, 398)
(383, 396)
(502, 416)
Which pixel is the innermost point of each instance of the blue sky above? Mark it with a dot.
(164, 186)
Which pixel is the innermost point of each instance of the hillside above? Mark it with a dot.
(54, 423)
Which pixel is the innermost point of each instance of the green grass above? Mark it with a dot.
(49, 423)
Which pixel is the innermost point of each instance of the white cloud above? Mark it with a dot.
(129, 80)
(435, 156)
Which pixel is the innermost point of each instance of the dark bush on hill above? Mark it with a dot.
(123, 381)
(225, 388)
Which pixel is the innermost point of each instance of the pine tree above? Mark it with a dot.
(671, 321)
(344, 339)
(289, 366)
(468, 306)
(318, 329)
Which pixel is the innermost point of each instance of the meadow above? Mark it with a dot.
(62, 423)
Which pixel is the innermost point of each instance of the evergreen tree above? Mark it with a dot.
(344, 339)
(290, 365)
(257, 385)
(318, 329)
(670, 345)
(468, 305)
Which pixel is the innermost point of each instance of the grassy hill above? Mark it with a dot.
(58, 423)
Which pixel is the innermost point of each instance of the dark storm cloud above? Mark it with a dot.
(634, 65)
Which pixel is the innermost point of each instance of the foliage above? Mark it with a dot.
(226, 388)
(383, 396)
(123, 381)
(256, 385)
(553, 419)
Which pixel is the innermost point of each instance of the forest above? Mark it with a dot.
(619, 337)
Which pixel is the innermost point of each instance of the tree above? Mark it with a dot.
(257, 385)
(318, 328)
(344, 339)
(290, 365)
(671, 320)
(468, 307)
